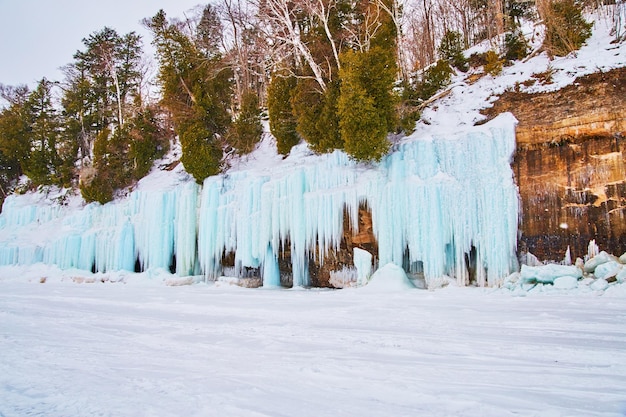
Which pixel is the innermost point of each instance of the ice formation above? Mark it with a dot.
(439, 205)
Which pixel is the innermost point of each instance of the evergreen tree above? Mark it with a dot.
(43, 162)
(246, 130)
(363, 105)
(317, 116)
(282, 118)
(451, 49)
(14, 130)
(196, 90)
(148, 142)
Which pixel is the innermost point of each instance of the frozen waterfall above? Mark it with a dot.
(439, 205)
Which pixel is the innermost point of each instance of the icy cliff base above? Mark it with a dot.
(436, 203)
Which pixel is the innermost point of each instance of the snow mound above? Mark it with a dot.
(389, 278)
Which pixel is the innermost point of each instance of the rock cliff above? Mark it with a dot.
(570, 165)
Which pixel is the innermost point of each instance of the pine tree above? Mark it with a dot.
(451, 49)
(196, 90)
(43, 162)
(14, 135)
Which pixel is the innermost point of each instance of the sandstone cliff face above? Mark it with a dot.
(363, 238)
(570, 165)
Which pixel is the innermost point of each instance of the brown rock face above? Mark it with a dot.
(570, 165)
(363, 238)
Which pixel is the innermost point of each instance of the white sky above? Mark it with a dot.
(39, 36)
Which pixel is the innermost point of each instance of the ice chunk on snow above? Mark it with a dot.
(566, 283)
(546, 274)
(598, 259)
(607, 270)
(599, 285)
(389, 278)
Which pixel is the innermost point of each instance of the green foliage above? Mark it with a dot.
(494, 63)
(30, 135)
(376, 72)
(566, 28)
(282, 118)
(97, 189)
(148, 142)
(246, 131)
(451, 49)
(110, 67)
(196, 89)
(316, 115)
(15, 130)
(434, 79)
(124, 156)
(363, 105)
(201, 156)
(306, 103)
(515, 46)
(328, 121)
(43, 162)
(408, 109)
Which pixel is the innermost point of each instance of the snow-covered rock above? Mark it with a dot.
(622, 259)
(253, 282)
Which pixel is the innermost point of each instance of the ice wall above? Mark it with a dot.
(146, 230)
(438, 204)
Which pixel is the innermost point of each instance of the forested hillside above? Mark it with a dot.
(337, 74)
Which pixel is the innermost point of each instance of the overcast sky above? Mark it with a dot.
(39, 36)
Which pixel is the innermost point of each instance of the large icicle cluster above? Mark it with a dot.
(436, 203)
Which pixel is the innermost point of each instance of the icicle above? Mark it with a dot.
(271, 274)
(363, 264)
(568, 257)
(592, 249)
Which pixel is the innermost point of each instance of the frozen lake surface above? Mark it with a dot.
(70, 349)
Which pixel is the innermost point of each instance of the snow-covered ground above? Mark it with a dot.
(136, 350)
